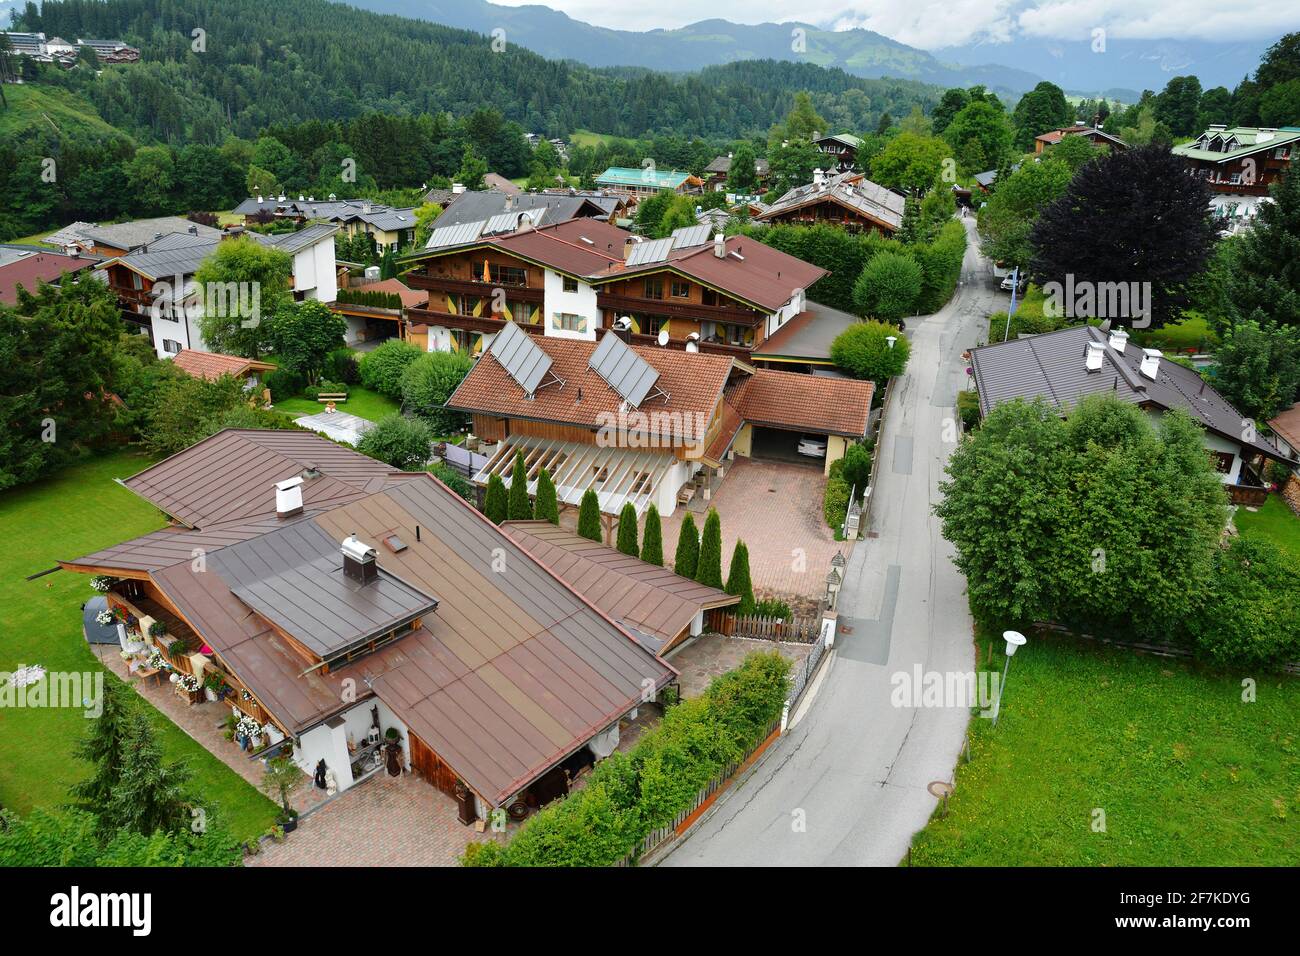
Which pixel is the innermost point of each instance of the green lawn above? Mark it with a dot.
(1186, 773)
(1193, 332)
(71, 514)
(1275, 521)
(361, 402)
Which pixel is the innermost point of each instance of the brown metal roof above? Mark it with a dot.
(807, 403)
(1287, 425)
(645, 597)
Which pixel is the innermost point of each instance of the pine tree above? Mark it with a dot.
(519, 508)
(589, 516)
(688, 548)
(652, 543)
(627, 531)
(709, 570)
(494, 504)
(738, 581)
(150, 795)
(546, 508)
(102, 747)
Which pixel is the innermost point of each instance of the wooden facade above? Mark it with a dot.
(827, 211)
(666, 300)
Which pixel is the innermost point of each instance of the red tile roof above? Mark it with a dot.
(31, 270)
(213, 365)
(809, 403)
(1287, 426)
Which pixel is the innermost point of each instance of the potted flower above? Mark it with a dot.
(250, 730)
(281, 778)
(157, 629)
(214, 685)
(105, 618)
(102, 583)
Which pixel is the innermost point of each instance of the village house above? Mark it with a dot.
(482, 205)
(640, 424)
(338, 601)
(377, 309)
(390, 227)
(716, 173)
(847, 199)
(842, 148)
(29, 266)
(1092, 133)
(639, 183)
(1239, 164)
(1065, 365)
(1286, 434)
(155, 283)
(210, 366)
(121, 238)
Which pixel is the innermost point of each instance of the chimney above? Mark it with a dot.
(457, 188)
(193, 230)
(720, 246)
(1118, 339)
(358, 560)
(1095, 356)
(288, 497)
(259, 197)
(819, 177)
(1150, 363)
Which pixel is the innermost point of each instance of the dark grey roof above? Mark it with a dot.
(807, 335)
(1052, 365)
(138, 232)
(292, 242)
(476, 206)
(722, 164)
(294, 578)
(386, 218)
(848, 189)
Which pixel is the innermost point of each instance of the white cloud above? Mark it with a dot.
(931, 24)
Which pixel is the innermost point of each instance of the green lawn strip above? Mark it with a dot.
(1186, 773)
(1275, 521)
(361, 402)
(73, 513)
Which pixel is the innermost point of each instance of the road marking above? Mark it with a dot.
(903, 455)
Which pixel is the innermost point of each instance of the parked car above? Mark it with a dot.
(1010, 281)
(814, 446)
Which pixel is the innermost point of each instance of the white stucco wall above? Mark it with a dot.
(582, 302)
(313, 271)
(184, 330)
(330, 743)
(798, 303)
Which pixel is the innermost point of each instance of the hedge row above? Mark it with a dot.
(941, 264)
(378, 300)
(629, 795)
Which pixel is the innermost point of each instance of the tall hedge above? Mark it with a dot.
(709, 570)
(546, 507)
(628, 795)
(589, 516)
(652, 542)
(738, 579)
(627, 531)
(941, 265)
(687, 558)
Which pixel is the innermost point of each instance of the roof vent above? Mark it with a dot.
(288, 497)
(1150, 363)
(720, 246)
(1118, 339)
(1095, 356)
(358, 560)
(310, 470)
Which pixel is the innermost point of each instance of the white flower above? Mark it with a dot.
(104, 618)
(248, 727)
(102, 582)
(187, 682)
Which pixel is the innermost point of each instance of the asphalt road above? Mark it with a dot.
(847, 784)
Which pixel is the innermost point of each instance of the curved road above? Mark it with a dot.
(846, 785)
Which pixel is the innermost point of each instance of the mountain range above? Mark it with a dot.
(1011, 67)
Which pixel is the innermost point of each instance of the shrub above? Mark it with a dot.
(519, 507)
(546, 507)
(863, 350)
(968, 408)
(589, 516)
(687, 557)
(652, 545)
(495, 502)
(1250, 614)
(399, 441)
(709, 569)
(889, 287)
(771, 607)
(738, 580)
(835, 502)
(341, 366)
(381, 369)
(855, 470)
(627, 531)
(283, 384)
(941, 265)
(325, 388)
(428, 382)
(453, 479)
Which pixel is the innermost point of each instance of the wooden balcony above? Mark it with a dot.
(445, 284)
(708, 348)
(468, 323)
(735, 315)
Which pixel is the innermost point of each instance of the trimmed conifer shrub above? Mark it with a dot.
(495, 505)
(627, 531)
(688, 548)
(589, 516)
(709, 570)
(652, 542)
(545, 507)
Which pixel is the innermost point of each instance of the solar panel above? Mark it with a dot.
(626, 372)
(690, 236)
(455, 235)
(654, 251)
(501, 222)
(520, 356)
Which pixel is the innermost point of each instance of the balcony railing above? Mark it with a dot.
(418, 280)
(469, 323)
(734, 314)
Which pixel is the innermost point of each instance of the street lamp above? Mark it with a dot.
(891, 339)
(1014, 640)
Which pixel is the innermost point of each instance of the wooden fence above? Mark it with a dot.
(793, 630)
(1158, 648)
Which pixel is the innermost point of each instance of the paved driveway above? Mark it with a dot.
(854, 769)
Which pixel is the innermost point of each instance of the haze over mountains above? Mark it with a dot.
(1014, 66)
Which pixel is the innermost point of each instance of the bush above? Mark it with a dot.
(864, 352)
(835, 502)
(283, 384)
(687, 558)
(399, 441)
(1250, 615)
(627, 531)
(855, 466)
(495, 503)
(428, 382)
(652, 545)
(381, 370)
(771, 607)
(628, 795)
(709, 569)
(545, 505)
(325, 388)
(888, 287)
(341, 366)
(968, 408)
(589, 517)
(941, 265)
(453, 479)
(738, 580)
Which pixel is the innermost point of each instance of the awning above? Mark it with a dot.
(619, 476)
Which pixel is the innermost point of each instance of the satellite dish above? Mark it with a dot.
(692, 336)
(663, 337)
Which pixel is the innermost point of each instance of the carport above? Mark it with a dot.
(779, 444)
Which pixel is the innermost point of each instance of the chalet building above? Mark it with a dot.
(121, 238)
(155, 283)
(1065, 365)
(377, 309)
(846, 199)
(639, 183)
(479, 206)
(640, 424)
(338, 599)
(573, 279)
(390, 227)
(1239, 164)
(29, 266)
(210, 366)
(1094, 135)
(841, 148)
(716, 173)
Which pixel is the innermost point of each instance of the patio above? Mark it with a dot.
(711, 655)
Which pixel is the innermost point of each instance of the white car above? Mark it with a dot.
(814, 446)
(1010, 281)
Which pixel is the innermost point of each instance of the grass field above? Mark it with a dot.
(585, 137)
(71, 514)
(54, 108)
(361, 402)
(1275, 521)
(1184, 771)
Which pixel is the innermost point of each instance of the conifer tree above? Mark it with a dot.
(495, 505)
(709, 570)
(738, 580)
(688, 548)
(589, 516)
(150, 795)
(518, 508)
(546, 508)
(627, 530)
(652, 542)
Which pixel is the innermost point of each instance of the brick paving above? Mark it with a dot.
(712, 654)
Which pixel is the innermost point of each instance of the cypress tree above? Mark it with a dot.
(494, 504)
(589, 516)
(709, 570)
(546, 508)
(738, 581)
(688, 548)
(652, 544)
(627, 531)
(519, 509)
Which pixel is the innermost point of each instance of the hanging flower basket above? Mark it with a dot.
(104, 618)
(187, 682)
(102, 583)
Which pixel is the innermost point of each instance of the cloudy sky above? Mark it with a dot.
(930, 24)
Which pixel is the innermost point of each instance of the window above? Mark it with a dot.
(709, 297)
(654, 288)
(651, 324)
(171, 346)
(570, 284)
(681, 290)
(568, 322)
(508, 275)
(1223, 462)
(1282, 152)
(519, 311)
(466, 304)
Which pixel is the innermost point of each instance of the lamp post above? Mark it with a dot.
(1014, 640)
(891, 339)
